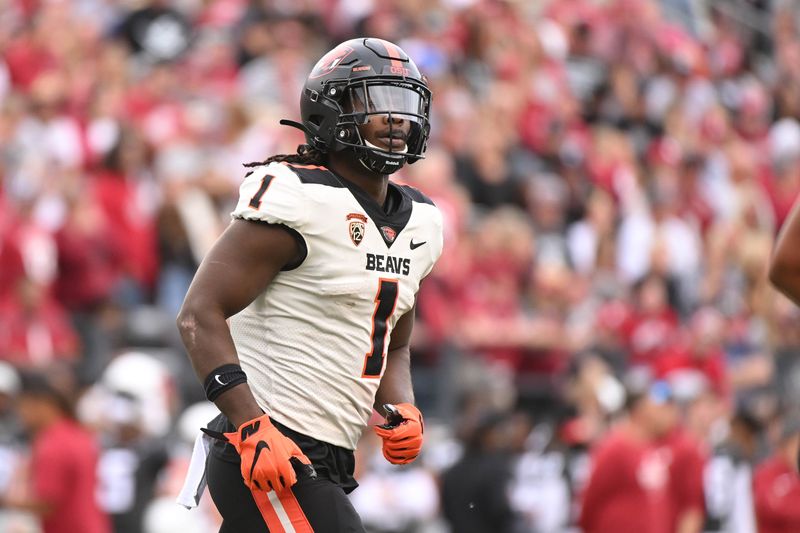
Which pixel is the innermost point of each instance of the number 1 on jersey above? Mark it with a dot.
(385, 303)
(255, 201)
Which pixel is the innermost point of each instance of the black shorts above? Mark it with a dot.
(316, 503)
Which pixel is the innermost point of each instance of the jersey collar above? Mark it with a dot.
(395, 220)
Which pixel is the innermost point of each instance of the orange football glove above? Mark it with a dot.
(402, 438)
(266, 455)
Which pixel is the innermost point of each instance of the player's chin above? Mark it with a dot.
(391, 145)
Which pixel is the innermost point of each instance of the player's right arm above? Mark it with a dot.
(240, 265)
(263, 239)
(784, 268)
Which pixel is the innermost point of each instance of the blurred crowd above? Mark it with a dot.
(599, 339)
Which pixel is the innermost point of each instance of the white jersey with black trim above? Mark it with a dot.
(314, 343)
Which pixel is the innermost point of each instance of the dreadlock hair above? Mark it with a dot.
(306, 155)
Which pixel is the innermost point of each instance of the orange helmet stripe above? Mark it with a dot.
(393, 53)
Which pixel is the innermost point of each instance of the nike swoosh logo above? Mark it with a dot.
(415, 245)
(259, 447)
(219, 380)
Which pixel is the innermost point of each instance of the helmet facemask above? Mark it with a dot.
(388, 99)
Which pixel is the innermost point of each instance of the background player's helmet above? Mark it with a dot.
(357, 79)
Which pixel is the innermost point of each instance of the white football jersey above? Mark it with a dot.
(314, 343)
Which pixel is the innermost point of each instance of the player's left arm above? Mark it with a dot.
(395, 384)
(402, 440)
(784, 266)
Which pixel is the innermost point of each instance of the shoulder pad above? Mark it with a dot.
(273, 194)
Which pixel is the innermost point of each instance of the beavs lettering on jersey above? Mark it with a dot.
(388, 263)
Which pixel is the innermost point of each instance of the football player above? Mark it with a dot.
(298, 320)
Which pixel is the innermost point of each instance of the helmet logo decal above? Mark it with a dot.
(330, 61)
(389, 233)
(400, 71)
(357, 227)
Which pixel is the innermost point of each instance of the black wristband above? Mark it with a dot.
(223, 378)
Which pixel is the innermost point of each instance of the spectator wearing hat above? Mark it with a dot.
(63, 460)
(776, 485)
(628, 488)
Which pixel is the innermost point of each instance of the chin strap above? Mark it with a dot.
(376, 160)
(403, 151)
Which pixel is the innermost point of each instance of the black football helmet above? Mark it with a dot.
(357, 79)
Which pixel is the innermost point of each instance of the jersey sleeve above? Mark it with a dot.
(272, 194)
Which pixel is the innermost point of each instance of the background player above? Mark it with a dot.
(318, 275)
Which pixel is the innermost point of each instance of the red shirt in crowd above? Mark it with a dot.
(687, 464)
(776, 486)
(647, 335)
(117, 196)
(681, 358)
(628, 489)
(33, 337)
(89, 265)
(12, 267)
(27, 60)
(64, 464)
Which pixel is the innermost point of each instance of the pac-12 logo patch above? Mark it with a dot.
(357, 227)
(389, 233)
(330, 61)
